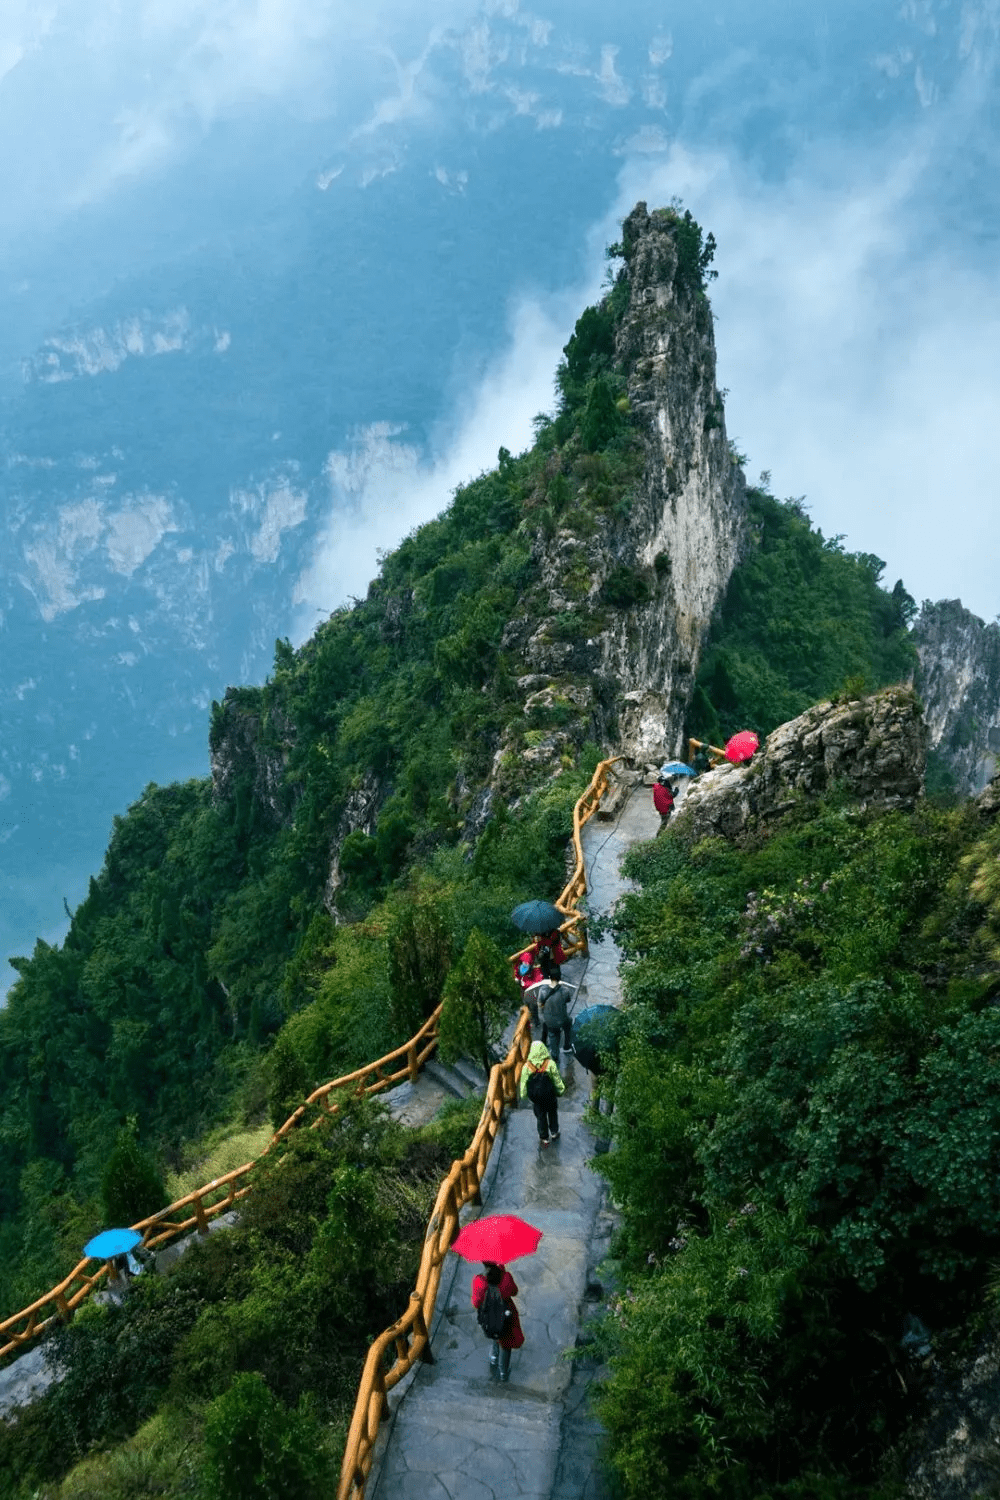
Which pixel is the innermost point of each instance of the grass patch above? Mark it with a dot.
(217, 1153)
(163, 1458)
(454, 1125)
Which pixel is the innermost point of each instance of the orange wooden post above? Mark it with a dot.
(413, 1067)
(199, 1213)
(421, 1330)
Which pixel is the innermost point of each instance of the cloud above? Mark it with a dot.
(382, 486)
(60, 556)
(96, 351)
(859, 349)
(109, 93)
(271, 507)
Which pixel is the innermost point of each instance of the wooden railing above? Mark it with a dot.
(196, 1209)
(574, 929)
(409, 1336)
(716, 757)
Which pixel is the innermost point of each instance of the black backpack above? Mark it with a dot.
(540, 1088)
(550, 969)
(493, 1313)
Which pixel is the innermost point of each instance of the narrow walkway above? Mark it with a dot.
(457, 1434)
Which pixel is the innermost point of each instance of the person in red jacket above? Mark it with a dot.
(501, 1278)
(551, 954)
(663, 801)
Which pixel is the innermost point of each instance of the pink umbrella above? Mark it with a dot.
(500, 1238)
(741, 746)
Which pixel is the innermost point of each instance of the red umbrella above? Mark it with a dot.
(500, 1238)
(741, 746)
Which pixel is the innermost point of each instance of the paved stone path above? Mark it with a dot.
(455, 1433)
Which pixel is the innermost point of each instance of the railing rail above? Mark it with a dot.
(573, 892)
(716, 757)
(410, 1334)
(197, 1209)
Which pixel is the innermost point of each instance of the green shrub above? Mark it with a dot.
(287, 1080)
(131, 1186)
(625, 587)
(452, 1128)
(480, 995)
(420, 947)
(601, 418)
(255, 1446)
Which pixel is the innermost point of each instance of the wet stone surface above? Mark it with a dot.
(457, 1433)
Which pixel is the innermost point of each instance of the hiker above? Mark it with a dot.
(550, 953)
(529, 976)
(526, 970)
(553, 1003)
(700, 761)
(663, 801)
(493, 1298)
(542, 1084)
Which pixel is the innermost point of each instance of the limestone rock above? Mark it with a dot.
(959, 682)
(360, 815)
(679, 537)
(243, 747)
(954, 1451)
(876, 747)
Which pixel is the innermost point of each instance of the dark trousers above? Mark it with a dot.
(553, 1031)
(546, 1118)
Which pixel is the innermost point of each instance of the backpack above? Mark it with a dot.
(493, 1313)
(540, 1088)
(550, 969)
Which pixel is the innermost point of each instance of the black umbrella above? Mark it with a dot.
(588, 1056)
(537, 916)
(596, 1030)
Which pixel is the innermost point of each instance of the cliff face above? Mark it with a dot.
(250, 750)
(681, 534)
(959, 682)
(876, 747)
(691, 506)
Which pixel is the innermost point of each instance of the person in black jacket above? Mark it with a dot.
(553, 1005)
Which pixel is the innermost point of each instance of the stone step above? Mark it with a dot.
(457, 1406)
(472, 1073)
(447, 1078)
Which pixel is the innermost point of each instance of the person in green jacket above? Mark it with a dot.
(542, 1084)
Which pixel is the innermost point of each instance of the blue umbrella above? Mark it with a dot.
(537, 916)
(112, 1242)
(676, 768)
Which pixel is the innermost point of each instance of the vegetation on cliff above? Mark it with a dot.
(392, 770)
(801, 618)
(808, 1156)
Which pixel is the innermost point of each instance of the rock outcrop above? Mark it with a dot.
(360, 815)
(688, 517)
(674, 542)
(251, 748)
(875, 747)
(959, 682)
